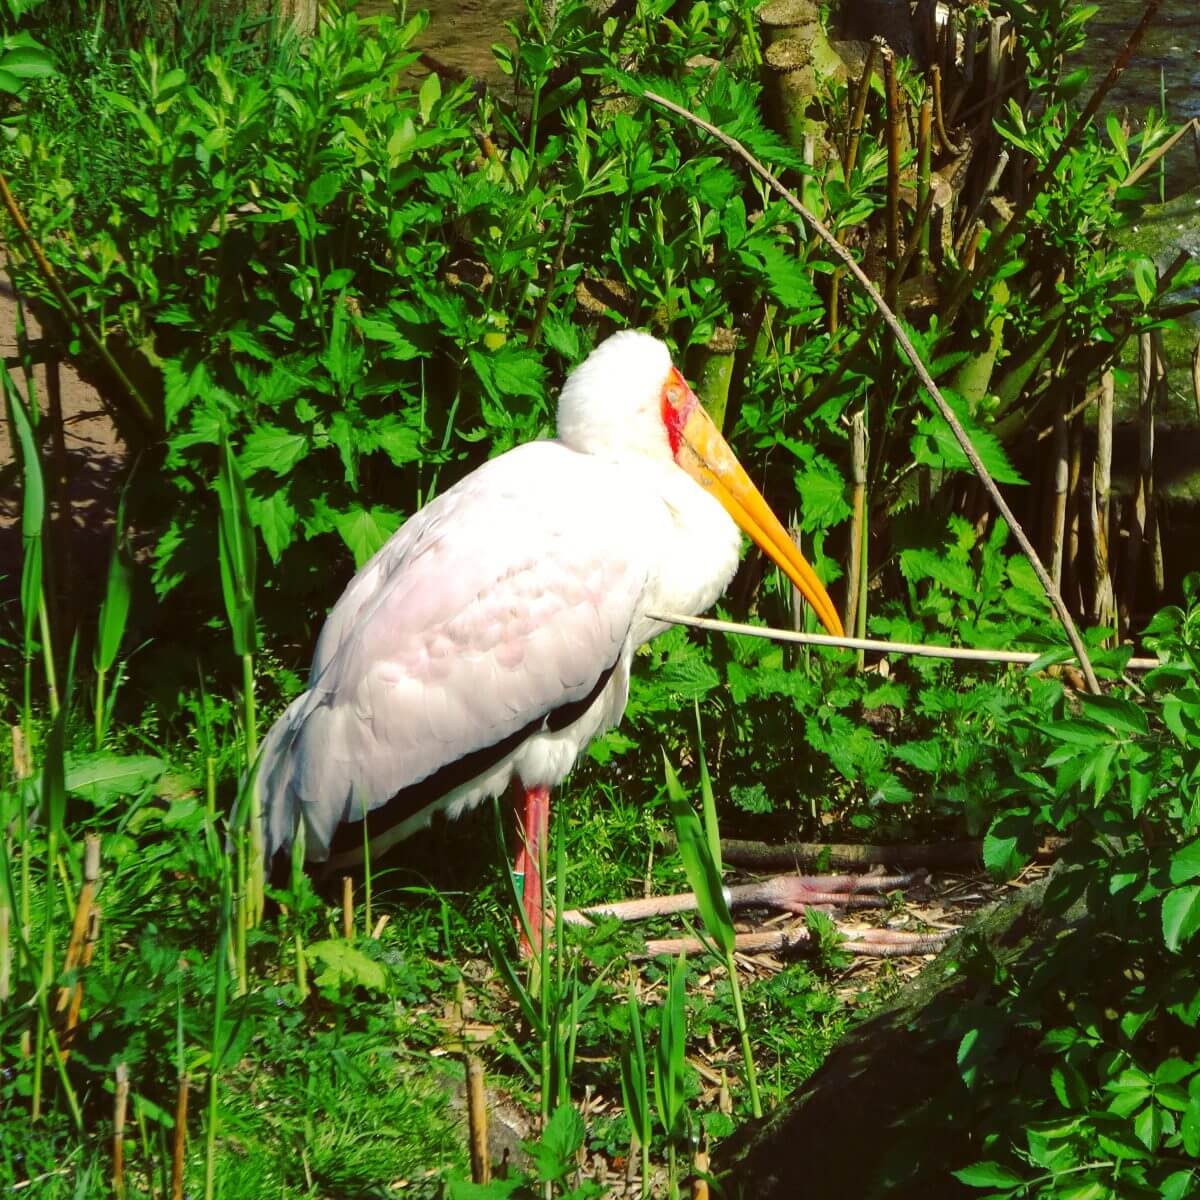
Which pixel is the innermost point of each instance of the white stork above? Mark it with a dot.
(491, 638)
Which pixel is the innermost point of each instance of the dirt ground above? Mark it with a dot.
(90, 465)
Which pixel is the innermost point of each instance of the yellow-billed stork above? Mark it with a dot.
(491, 638)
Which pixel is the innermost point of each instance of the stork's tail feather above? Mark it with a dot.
(278, 800)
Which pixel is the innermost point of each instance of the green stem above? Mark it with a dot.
(210, 1162)
(256, 877)
(48, 653)
(100, 673)
(744, 1034)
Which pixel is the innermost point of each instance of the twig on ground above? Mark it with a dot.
(791, 893)
(880, 943)
(738, 852)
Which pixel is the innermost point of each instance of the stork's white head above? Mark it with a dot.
(612, 403)
(626, 399)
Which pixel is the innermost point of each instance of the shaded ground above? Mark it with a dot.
(90, 464)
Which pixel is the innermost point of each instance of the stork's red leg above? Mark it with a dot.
(533, 824)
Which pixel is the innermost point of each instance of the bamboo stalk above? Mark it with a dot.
(1139, 509)
(939, 118)
(1158, 575)
(179, 1157)
(120, 1105)
(893, 115)
(1071, 571)
(1058, 513)
(1103, 603)
(854, 134)
(924, 149)
(858, 474)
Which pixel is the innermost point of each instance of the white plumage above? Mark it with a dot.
(491, 637)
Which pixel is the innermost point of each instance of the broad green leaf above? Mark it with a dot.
(935, 445)
(987, 1175)
(1185, 863)
(555, 1151)
(100, 777)
(342, 964)
(365, 530)
(702, 873)
(1180, 915)
(272, 449)
(1122, 715)
(118, 593)
(635, 1081)
(237, 552)
(275, 518)
(429, 95)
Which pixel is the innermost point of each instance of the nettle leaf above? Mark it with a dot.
(365, 530)
(272, 449)
(274, 517)
(688, 676)
(555, 1151)
(398, 438)
(342, 964)
(786, 277)
(955, 576)
(822, 493)
(925, 756)
(1180, 915)
(934, 445)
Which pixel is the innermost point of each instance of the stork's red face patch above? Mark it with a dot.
(678, 401)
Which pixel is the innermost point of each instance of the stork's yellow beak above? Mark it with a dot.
(705, 455)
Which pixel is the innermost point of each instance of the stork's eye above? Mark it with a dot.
(674, 395)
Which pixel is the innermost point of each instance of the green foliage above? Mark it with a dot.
(341, 290)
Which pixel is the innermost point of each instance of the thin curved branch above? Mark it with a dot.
(913, 357)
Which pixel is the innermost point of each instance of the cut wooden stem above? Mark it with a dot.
(120, 1107)
(347, 908)
(179, 1157)
(477, 1114)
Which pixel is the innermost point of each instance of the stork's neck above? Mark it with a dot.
(698, 555)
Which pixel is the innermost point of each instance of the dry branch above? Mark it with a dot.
(922, 650)
(919, 367)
